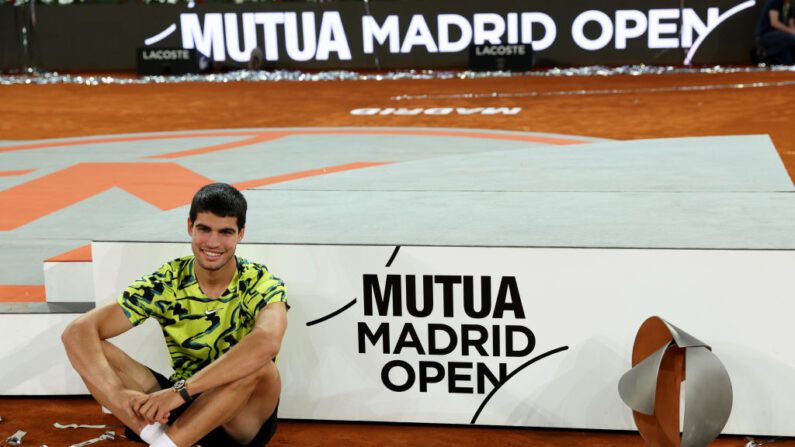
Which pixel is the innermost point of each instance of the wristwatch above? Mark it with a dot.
(179, 386)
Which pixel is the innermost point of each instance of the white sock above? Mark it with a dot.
(163, 441)
(151, 432)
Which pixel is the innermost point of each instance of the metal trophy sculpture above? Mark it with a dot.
(662, 358)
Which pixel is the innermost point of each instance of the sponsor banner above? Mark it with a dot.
(502, 336)
(516, 57)
(406, 34)
(170, 61)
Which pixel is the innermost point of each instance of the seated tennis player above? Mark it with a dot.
(223, 319)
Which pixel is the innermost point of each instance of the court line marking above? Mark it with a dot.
(15, 173)
(267, 135)
(79, 254)
(19, 294)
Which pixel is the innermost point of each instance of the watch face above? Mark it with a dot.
(179, 384)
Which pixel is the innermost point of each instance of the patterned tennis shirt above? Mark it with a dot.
(198, 329)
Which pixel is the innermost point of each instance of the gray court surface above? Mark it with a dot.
(718, 164)
(718, 192)
(725, 192)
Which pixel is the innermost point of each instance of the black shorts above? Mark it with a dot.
(218, 437)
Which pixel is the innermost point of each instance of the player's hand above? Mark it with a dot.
(127, 400)
(156, 407)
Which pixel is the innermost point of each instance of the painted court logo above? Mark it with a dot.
(459, 334)
(371, 111)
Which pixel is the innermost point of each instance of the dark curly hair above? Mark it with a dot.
(221, 199)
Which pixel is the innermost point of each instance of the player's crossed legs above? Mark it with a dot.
(240, 411)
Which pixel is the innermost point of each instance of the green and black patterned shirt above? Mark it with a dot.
(198, 329)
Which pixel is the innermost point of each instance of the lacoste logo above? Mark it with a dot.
(207, 313)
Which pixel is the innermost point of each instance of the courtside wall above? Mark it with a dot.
(386, 333)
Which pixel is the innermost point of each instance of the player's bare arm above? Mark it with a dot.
(251, 354)
(254, 351)
(86, 348)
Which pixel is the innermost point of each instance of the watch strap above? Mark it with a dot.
(185, 396)
(181, 387)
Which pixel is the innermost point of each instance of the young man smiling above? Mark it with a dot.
(223, 319)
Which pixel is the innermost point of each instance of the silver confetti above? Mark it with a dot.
(16, 438)
(58, 425)
(679, 88)
(34, 76)
(752, 443)
(107, 435)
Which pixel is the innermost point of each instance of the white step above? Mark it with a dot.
(68, 277)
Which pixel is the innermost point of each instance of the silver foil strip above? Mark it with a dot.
(34, 76)
(752, 443)
(107, 435)
(58, 425)
(678, 88)
(16, 438)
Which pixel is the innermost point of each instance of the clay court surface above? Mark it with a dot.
(616, 107)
